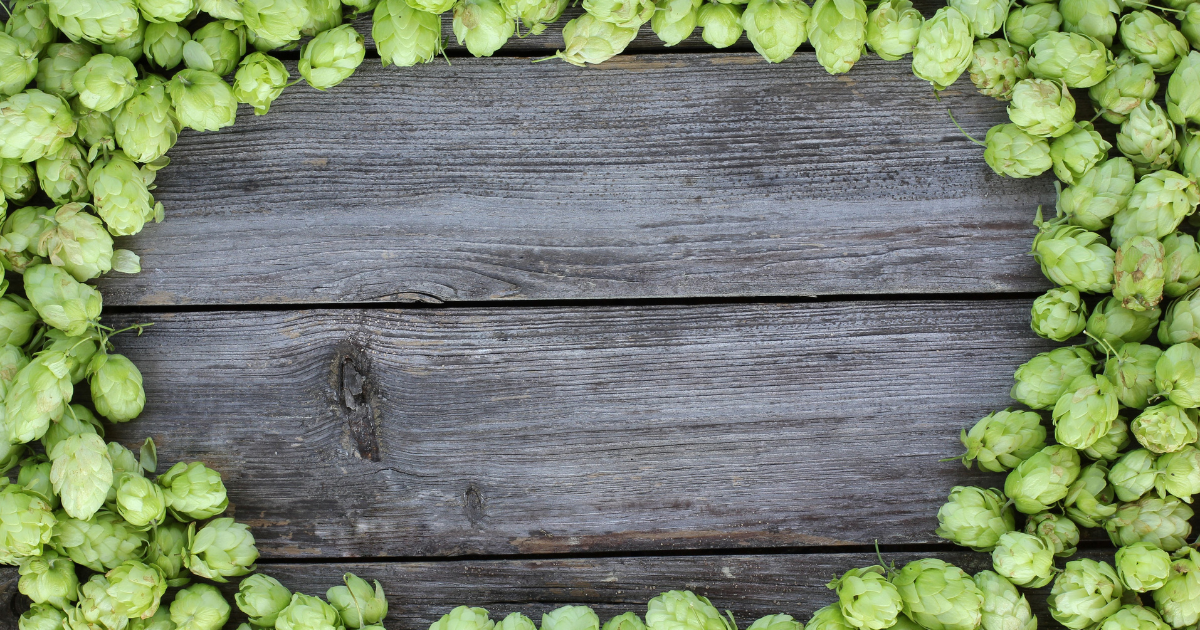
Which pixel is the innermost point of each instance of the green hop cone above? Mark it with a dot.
(261, 597)
(945, 47)
(276, 20)
(1023, 559)
(95, 129)
(193, 491)
(1165, 427)
(164, 44)
(166, 10)
(1072, 256)
(626, 621)
(331, 57)
(893, 29)
(18, 180)
(1181, 322)
(140, 501)
(121, 195)
(1138, 273)
(1094, 18)
(78, 421)
(1075, 153)
(100, 543)
(1179, 599)
(81, 474)
(1133, 617)
(1131, 83)
(97, 608)
(464, 618)
(997, 66)
(260, 80)
(77, 242)
(1148, 139)
(1163, 523)
(1026, 24)
(220, 550)
(940, 596)
(1089, 501)
(1131, 369)
(310, 613)
(57, 69)
(1158, 204)
(104, 82)
(97, 21)
(63, 174)
(1060, 534)
(837, 30)
(26, 524)
(571, 618)
(19, 237)
(1183, 91)
(18, 64)
(534, 14)
(145, 126)
(1003, 439)
(1134, 474)
(34, 123)
(776, 28)
(721, 24)
(324, 15)
(34, 475)
(1179, 473)
(1189, 154)
(1190, 24)
(48, 579)
(78, 350)
(135, 589)
(828, 618)
(483, 26)
(168, 543)
(203, 101)
(130, 47)
(216, 47)
(1181, 264)
(1085, 411)
(405, 36)
(867, 599)
(673, 610)
(1004, 607)
(1153, 40)
(1085, 593)
(1011, 152)
(1177, 375)
(1043, 479)
(29, 22)
(1059, 314)
(587, 40)
(975, 517)
(38, 395)
(623, 13)
(1042, 108)
(775, 622)
(202, 607)
(360, 605)
(986, 16)
(1142, 567)
(1044, 378)
(16, 324)
(1077, 60)
(43, 617)
(60, 300)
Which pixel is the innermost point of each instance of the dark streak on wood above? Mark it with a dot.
(357, 398)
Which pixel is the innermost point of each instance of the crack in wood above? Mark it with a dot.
(357, 398)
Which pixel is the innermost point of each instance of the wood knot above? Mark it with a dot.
(473, 505)
(357, 401)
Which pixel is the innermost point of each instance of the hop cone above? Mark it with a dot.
(1147, 138)
(939, 596)
(42, 617)
(29, 22)
(165, 43)
(1023, 559)
(571, 618)
(1189, 154)
(1181, 264)
(77, 421)
(1179, 599)
(331, 57)
(893, 28)
(165, 551)
(100, 543)
(1004, 607)
(462, 618)
(1138, 273)
(97, 21)
(38, 395)
(82, 473)
(94, 130)
(1026, 24)
(1004, 439)
(193, 492)
(534, 14)
(324, 15)
(1044, 378)
(1153, 40)
(33, 124)
(1177, 375)
(975, 517)
(1130, 85)
(140, 501)
(828, 618)
(48, 579)
(121, 195)
(1085, 593)
(1190, 24)
(1089, 501)
(773, 622)
(1043, 479)
(1163, 523)
(262, 598)
(1094, 18)
(276, 20)
(145, 126)
(1072, 256)
(986, 16)
(405, 36)
(997, 66)
(18, 64)
(517, 621)
(26, 524)
(1165, 427)
(16, 325)
(18, 180)
(589, 40)
(1077, 60)
(97, 607)
(1183, 91)
(1077, 151)
(483, 26)
(1085, 412)
(1098, 194)
(217, 47)
(202, 607)
(1181, 322)
(60, 300)
(104, 82)
(63, 174)
(166, 10)
(1142, 567)
(721, 24)
(220, 550)
(260, 80)
(1134, 474)
(776, 27)
(360, 605)
(78, 352)
(203, 101)
(1133, 617)
(1011, 152)
(135, 589)
(1131, 370)
(1060, 534)
(1159, 203)
(838, 31)
(1179, 473)
(131, 48)
(1042, 108)
(867, 599)
(944, 48)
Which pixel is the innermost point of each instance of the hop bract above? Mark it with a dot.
(997, 66)
(1085, 593)
(1131, 83)
(944, 48)
(1179, 599)
(145, 126)
(1012, 152)
(193, 491)
(1143, 567)
(405, 36)
(1147, 138)
(1043, 479)
(483, 26)
(1077, 60)
(940, 596)
(1163, 523)
(1027, 24)
(1153, 40)
(33, 124)
(893, 28)
(1004, 607)
(867, 599)
(776, 27)
(838, 31)
(1165, 427)
(1158, 204)
(358, 604)
(48, 579)
(203, 101)
(721, 24)
(1131, 370)
(202, 607)
(975, 517)
(1060, 534)
(262, 598)
(97, 21)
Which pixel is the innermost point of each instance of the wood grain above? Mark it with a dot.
(419, 432)
(649, 176)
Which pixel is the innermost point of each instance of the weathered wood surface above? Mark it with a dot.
(748, 586)
(649, 176)
(372, 433)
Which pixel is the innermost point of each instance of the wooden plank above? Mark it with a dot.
(748, 586)
(650, 176)
(372, 433)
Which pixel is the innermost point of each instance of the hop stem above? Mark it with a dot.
(963, 131)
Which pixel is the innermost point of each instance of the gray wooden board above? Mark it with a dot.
(749, 586)
(377, 433)
(649, 176)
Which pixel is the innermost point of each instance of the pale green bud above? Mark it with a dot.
(202, 607)
(203, 101)
(405, 36)
(97, 21)
(975, 517)
(944, 48)
(358, 604)
(721, 23)
(893, 29)
(1026, 24)
(1024, 559)
(997, 66)
(776, 28)
(589, 40)
(1132, 369)
(1012, 152)
(1077, 60)
(1142, 567)
(262, 598)
(331, 57)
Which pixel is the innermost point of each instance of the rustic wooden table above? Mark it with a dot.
(520, 335)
